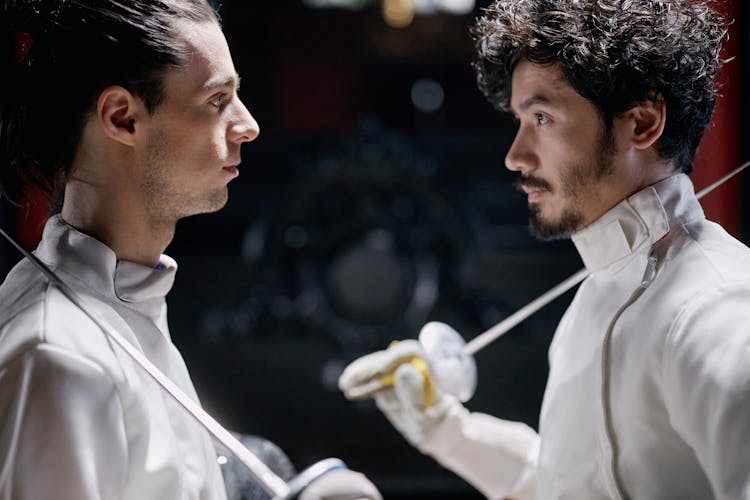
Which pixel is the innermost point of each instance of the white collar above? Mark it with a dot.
(642, 219)
(96, 266)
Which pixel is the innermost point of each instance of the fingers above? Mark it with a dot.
(405, 397)
(409, 387)
(376, 365)
(402, 404)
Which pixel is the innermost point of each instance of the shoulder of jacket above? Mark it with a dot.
(716, 251)
(42, 316)
(714, 319)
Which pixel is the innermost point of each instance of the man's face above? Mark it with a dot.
(566, 155)
(196, 132)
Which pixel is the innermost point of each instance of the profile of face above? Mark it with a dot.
(195, 133)
(565, 154)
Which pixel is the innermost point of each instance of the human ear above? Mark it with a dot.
(118, 113)
(647, 120)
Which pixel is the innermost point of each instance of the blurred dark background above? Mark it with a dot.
(374, 200)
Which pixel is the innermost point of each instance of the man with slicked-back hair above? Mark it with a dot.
(127, 114)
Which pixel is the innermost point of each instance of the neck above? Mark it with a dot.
(648, 176)
(109, 213)
(631, 174)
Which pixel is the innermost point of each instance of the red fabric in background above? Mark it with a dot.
(30, 218)
(720, 150)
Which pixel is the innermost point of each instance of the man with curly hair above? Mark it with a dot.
(647, 395)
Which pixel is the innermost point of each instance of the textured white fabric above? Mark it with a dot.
(341, 484)
(78, 419)
(678, 372)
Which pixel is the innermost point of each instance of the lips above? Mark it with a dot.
(534, 187)
(232, 169)
(534, 194)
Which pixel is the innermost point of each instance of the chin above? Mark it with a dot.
(544, 229)
(208, 205)
(215, 206)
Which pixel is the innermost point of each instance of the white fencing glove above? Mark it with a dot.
(410, 400)
(341, 484)
(498, 457)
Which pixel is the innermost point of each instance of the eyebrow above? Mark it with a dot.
(232, 81)
(535, 99)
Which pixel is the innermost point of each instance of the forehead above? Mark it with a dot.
(210, 62)
(535, 83)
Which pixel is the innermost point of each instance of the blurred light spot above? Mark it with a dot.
(330, 373)
(366, 283)
(426, 6)
(346, 4)
(398, 13)
(253, 243)
(221, 459)
(426, 293)
(427, 95)
(457, 6)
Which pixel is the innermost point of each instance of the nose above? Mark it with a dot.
(243, 128)
(520, 156)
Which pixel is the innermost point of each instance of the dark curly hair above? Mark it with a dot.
(615, 53)
(77, 48)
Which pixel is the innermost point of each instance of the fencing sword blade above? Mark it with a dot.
(492, 334)
(268, 480)
(481, 340)
(703, 192)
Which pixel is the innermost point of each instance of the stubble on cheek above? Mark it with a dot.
(154, 187)
(171, 194)
(577, 186)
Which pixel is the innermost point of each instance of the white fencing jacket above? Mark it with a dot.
(648, 395)
(78, 419)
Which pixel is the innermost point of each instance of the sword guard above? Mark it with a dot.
(302, 480)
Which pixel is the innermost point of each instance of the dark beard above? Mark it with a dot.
(573, 185)
(570, 221)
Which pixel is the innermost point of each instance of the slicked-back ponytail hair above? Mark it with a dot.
(56, 56)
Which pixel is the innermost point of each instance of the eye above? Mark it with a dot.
(541, 119)
(219, 100)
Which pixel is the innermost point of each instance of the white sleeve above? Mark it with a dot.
(706, 383)
(61, 429)
(497, 457)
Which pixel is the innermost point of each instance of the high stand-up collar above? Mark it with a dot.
(95, 265)
(641, 219)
